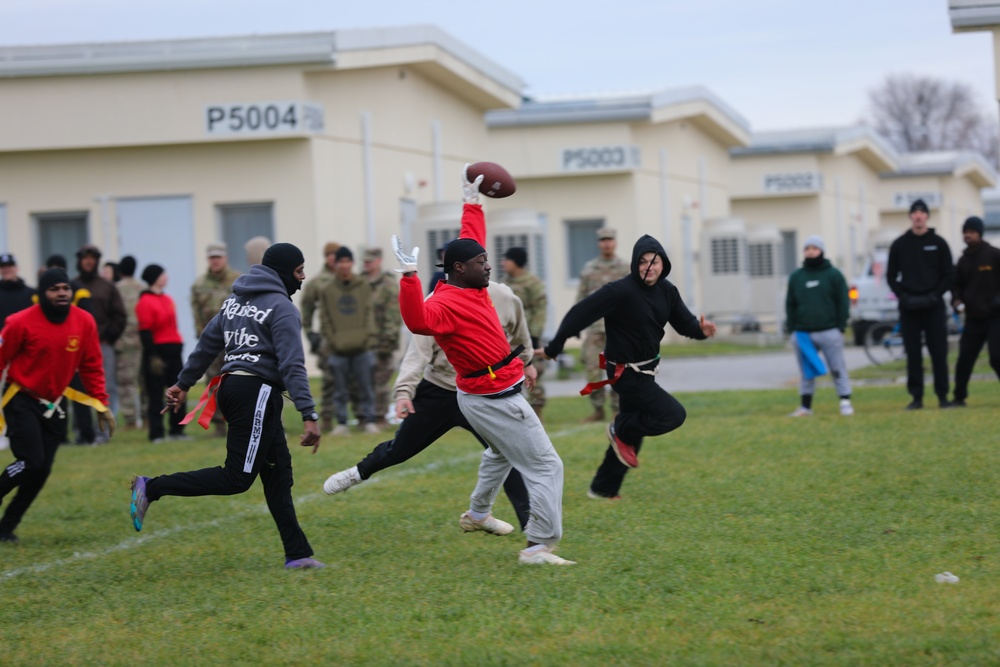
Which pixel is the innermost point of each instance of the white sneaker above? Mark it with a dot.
(342, 481)
(800, 412)
(372, 428)
(340, 429)
(543, 556)
(846, 408)
(490, 524)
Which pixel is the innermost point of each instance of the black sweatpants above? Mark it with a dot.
(435, 412)
(931, 324)
(34, 440)
(156, 385)
(645, 409)
(255, 445)
(976, 333)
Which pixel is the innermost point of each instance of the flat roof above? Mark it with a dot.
(946, 163)
(835, 140)
(973, 14)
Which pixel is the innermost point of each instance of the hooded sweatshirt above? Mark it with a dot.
(260, 331)
(817, 298)
(977, 281)
(919, 266)
(634, 313)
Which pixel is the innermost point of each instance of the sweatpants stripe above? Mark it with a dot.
(15, 468)
(258, 426)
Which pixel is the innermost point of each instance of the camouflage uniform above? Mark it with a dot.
(311, 294)
(207, 294)
(595, 274)
(385, 303)
(129, 356)
(530, 289)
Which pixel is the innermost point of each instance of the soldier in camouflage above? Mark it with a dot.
(129, 348)
(595, 274)
(312, 293)
(207, 294)
(388, 322)
(530, 289)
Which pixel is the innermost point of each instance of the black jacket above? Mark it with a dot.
(634, 313)
(15, 296)
(977, 281)
(919, 270)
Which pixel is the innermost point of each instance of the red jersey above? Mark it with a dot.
(43, 355)
(463, 321)
(156, 313)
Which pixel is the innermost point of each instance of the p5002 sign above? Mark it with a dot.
(255, 118)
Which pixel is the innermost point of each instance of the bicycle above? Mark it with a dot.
(884, 341)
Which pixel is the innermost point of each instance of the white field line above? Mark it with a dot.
(257, 508)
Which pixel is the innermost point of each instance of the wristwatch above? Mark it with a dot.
(310, 416)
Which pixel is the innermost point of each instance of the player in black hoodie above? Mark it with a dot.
(635, 310)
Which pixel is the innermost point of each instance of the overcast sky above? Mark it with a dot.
(780, 63)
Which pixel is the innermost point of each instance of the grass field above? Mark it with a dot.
(746, 538)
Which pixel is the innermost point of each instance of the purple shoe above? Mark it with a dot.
(140, 503)
(303, 564)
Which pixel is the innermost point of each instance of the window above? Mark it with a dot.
(761, 260)
(501, 244)
(61, 234)
(725, 255)
(581, 237)
(240, 223)
(436, 238)
(789, 252)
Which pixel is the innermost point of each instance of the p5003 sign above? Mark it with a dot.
(599, 158)
(255, 118)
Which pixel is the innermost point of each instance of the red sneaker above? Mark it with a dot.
(625, 452)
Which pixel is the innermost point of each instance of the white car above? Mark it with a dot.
(871, 299)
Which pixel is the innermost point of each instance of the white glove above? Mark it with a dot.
(408, 262)
(470, 191)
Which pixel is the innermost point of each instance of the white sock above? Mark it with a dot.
(478, 516)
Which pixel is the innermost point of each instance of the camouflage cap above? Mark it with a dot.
(217, 249)
(373, 253)
(606, 233)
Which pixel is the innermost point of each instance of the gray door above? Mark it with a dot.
(161, 231)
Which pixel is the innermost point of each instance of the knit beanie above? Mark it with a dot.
(151, 273)
(517, 255)
(127, 266)
(284, 258)
(816, 242)
(974, 224)
(343, 252)
(55, 314)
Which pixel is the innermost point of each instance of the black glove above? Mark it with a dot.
(315, 341)
(535, 342)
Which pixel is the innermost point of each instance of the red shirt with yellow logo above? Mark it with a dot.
(43, 355)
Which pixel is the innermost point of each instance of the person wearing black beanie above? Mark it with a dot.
(128, 349)
(151, 273)
(127, 266)
(285, 259)
(56, 310)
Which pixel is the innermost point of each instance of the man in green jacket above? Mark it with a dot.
(816, 310)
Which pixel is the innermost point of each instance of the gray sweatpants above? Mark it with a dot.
(830, 343)
(517, 439)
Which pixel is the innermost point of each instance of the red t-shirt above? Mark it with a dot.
(464, 322)
(156, 313)
(43, 356)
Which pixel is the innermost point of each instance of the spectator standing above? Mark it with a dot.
(977, 292)
(598, 272)
(312, 294)
(255, 249)
(919, 271)
(128, 349)
(348, 326)
(385, 308)
(531, 291)
(816, 310)
(161, 351)
(15, 295)
(208, 292)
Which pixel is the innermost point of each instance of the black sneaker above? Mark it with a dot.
(959, 403)
(9, 537)
(946, 404)
(915, 404)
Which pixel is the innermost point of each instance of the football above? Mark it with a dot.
(497, 181)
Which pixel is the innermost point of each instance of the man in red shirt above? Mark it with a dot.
(44, 346)
(461, 317)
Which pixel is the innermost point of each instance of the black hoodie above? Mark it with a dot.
(919, 270)
(634, 313)
(977, 281)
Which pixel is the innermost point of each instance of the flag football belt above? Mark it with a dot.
(619, 369)
(491, 370)
(51, 407)
(208, 400)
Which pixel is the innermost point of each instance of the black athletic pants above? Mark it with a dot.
(255, 445)
(974, 335)
(435, 412)
(930, 323)
(157, 380)
(644, 409)
(34, 440)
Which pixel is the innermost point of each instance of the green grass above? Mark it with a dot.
(746, 538)
(895, 371)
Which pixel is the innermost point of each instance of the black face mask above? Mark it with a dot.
(53, 313)
(814, 262)
(291, 283)
(284, 258)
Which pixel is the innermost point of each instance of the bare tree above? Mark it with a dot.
(921, 113)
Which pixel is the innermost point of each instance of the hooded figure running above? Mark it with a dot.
(635, 310)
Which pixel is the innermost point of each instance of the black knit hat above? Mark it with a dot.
(517, 255)
(460, 250)
(151, 273)
(919, 205)
(343, 252)
(127, 266)
(56, 260)
(974, 224)
(52, 277)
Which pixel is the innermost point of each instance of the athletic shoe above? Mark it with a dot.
(372, 428)
(846, 408)
(800, 412)
(625, 452)
(490, 525)
(596, 496)
(543, 556)
(9, 537)
(340, 429)
(180, 437)
(140, 503)
(959, 403)
(342, 481)
(304, 564)
(915, 404)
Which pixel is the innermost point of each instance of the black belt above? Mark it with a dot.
(489, 370)
(516, 389)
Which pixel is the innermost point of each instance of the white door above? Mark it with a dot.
(160, 230)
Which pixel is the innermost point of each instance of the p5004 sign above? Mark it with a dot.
(263, 118)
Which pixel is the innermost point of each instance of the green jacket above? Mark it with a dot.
(208, 292)
(530, 289)
(816, 299)
(346, 315)
(385, 305)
